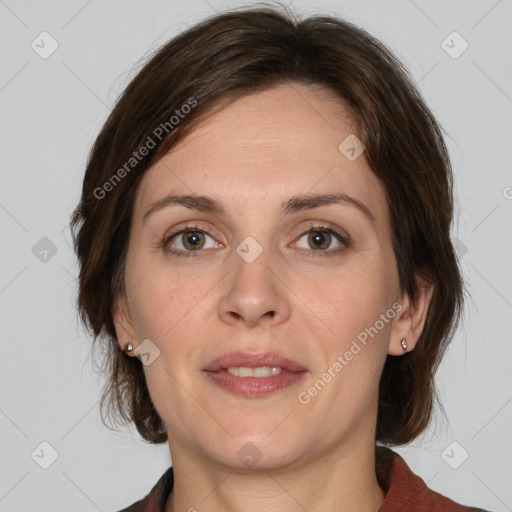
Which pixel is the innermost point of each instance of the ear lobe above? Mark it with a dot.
(122, 322)
(410, 321)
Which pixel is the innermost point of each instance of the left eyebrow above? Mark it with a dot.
(309, 201)
(294, 204)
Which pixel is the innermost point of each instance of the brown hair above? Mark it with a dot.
(219, 60)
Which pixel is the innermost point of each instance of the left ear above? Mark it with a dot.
(409, 321)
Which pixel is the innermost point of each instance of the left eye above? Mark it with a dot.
(320, 239)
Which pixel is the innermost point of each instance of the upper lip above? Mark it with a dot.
(253, 360)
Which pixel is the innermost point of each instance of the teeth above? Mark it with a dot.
(260, 371)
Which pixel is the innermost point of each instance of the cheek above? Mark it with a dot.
(346, 379)
(352, 299)
(153, 299)
(164, 303)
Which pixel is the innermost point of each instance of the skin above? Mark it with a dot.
(251, 156)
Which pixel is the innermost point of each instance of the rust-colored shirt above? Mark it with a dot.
(405, 491)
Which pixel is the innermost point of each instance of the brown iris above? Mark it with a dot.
(319, 237)
(193, 240)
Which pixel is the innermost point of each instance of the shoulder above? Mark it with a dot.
(441, 503)
(156, 500)
(407, 491)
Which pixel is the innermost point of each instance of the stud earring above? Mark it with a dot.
(129, 347)
(404, 345)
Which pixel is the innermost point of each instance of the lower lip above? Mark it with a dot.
(255, 387)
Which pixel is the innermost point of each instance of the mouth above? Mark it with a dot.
(254, 375)
(253, 361)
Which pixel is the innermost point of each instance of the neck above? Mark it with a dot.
(342, 480)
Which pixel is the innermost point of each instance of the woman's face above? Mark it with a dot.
(255, 277)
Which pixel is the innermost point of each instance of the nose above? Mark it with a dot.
(254, 293)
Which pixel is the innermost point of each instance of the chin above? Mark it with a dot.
(257, 451)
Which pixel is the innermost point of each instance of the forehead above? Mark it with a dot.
(267, 146)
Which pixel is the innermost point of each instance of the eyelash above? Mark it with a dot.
(314, 227)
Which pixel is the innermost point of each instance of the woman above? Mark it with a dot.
(264, 247)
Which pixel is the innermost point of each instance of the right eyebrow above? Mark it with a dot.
(194, 202)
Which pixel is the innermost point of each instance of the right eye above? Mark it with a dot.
(188, 240)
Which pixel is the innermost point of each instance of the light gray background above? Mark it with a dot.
(52, 110)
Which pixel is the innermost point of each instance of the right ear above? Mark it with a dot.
(124, 328)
